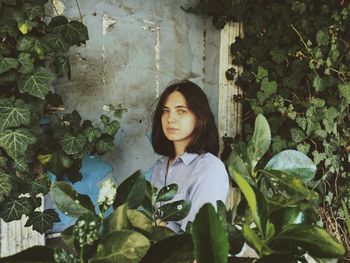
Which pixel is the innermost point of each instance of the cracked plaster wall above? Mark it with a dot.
(136, 48)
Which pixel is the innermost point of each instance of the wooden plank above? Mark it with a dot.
(229, 110)
(15, 237)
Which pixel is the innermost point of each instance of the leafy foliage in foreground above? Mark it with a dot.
(295, 59)
(279, 229)
(34, 138)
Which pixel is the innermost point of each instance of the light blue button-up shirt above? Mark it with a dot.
(200, 178)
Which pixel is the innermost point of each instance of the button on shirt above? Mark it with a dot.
(201, 178)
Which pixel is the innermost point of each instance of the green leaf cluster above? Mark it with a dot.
(34, 137)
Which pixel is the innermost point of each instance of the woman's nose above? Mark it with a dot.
(171, 117)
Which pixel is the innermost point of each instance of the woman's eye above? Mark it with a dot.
(165, 110)
(181, 111)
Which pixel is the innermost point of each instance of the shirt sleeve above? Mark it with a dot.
(211, 184)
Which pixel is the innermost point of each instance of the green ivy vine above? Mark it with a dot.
(35, 136)
(296, 61)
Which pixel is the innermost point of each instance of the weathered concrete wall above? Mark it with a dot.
(136, 47)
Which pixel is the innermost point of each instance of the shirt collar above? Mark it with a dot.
(187, 158)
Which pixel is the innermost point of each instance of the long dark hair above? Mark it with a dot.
(205, 137)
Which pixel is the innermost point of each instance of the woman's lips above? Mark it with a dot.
(171, 130)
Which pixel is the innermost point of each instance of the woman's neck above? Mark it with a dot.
(180, 148)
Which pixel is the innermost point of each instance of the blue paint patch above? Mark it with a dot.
(93, 172)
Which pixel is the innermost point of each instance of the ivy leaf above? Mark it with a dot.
(112, 127)
(21, 165)
(56, 42)
(344, 90)
(34, 45)
(7, 64)
(13, 113)
(297, 135)
(62, 65)
(39, 186)
(26, 63)
(322, 38)
(262, 73)
(74, 32)
(304, 148)
(15, 142)
(5, 185)
(92, 133)
(104, 145)
(72, 144)
(277, 55)
(37, 84)
(13, 209)
(43, 221)
(33, 11)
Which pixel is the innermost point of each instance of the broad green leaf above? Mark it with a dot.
(105, 119)
(26, 63)
(252, 238)
(118, 220)
(5, 185)
(15, 142)
(132, 191)
(42, 221)
(174, 211)
(235, 164)
(178, 248)
(260, 142)
(313, 239)
(104, 145)
(294, 163)
(138, 220)
(209, 236)
(67, 236)
(36, 254)
(121, 246)
(7, 64)
(62, 65)
(74, 32)
(72, 144)
(13, 113)
(33, 11)
(287, 216)
(255, 199)
(8, 78)
(278, 55)
(5, 50)
(92, 133)
(236, 239)
(69, 201)
(13, 209)
(344, 90)
(167, 193)
(290, 185)
(160, 232)
(112, 127)
(36, 84)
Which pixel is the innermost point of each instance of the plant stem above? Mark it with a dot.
(346, 216)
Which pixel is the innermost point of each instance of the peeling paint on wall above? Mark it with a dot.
(107, 22)
(58, 7)
(151, 26)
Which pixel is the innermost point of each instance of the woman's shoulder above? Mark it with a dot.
(209, 160)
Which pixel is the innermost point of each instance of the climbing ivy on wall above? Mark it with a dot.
(296, 61)
(35, 135)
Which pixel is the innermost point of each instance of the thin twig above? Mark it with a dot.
(81, 16)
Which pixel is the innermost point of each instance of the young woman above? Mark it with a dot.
(184, 132)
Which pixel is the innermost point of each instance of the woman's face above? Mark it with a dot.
(178, 121)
